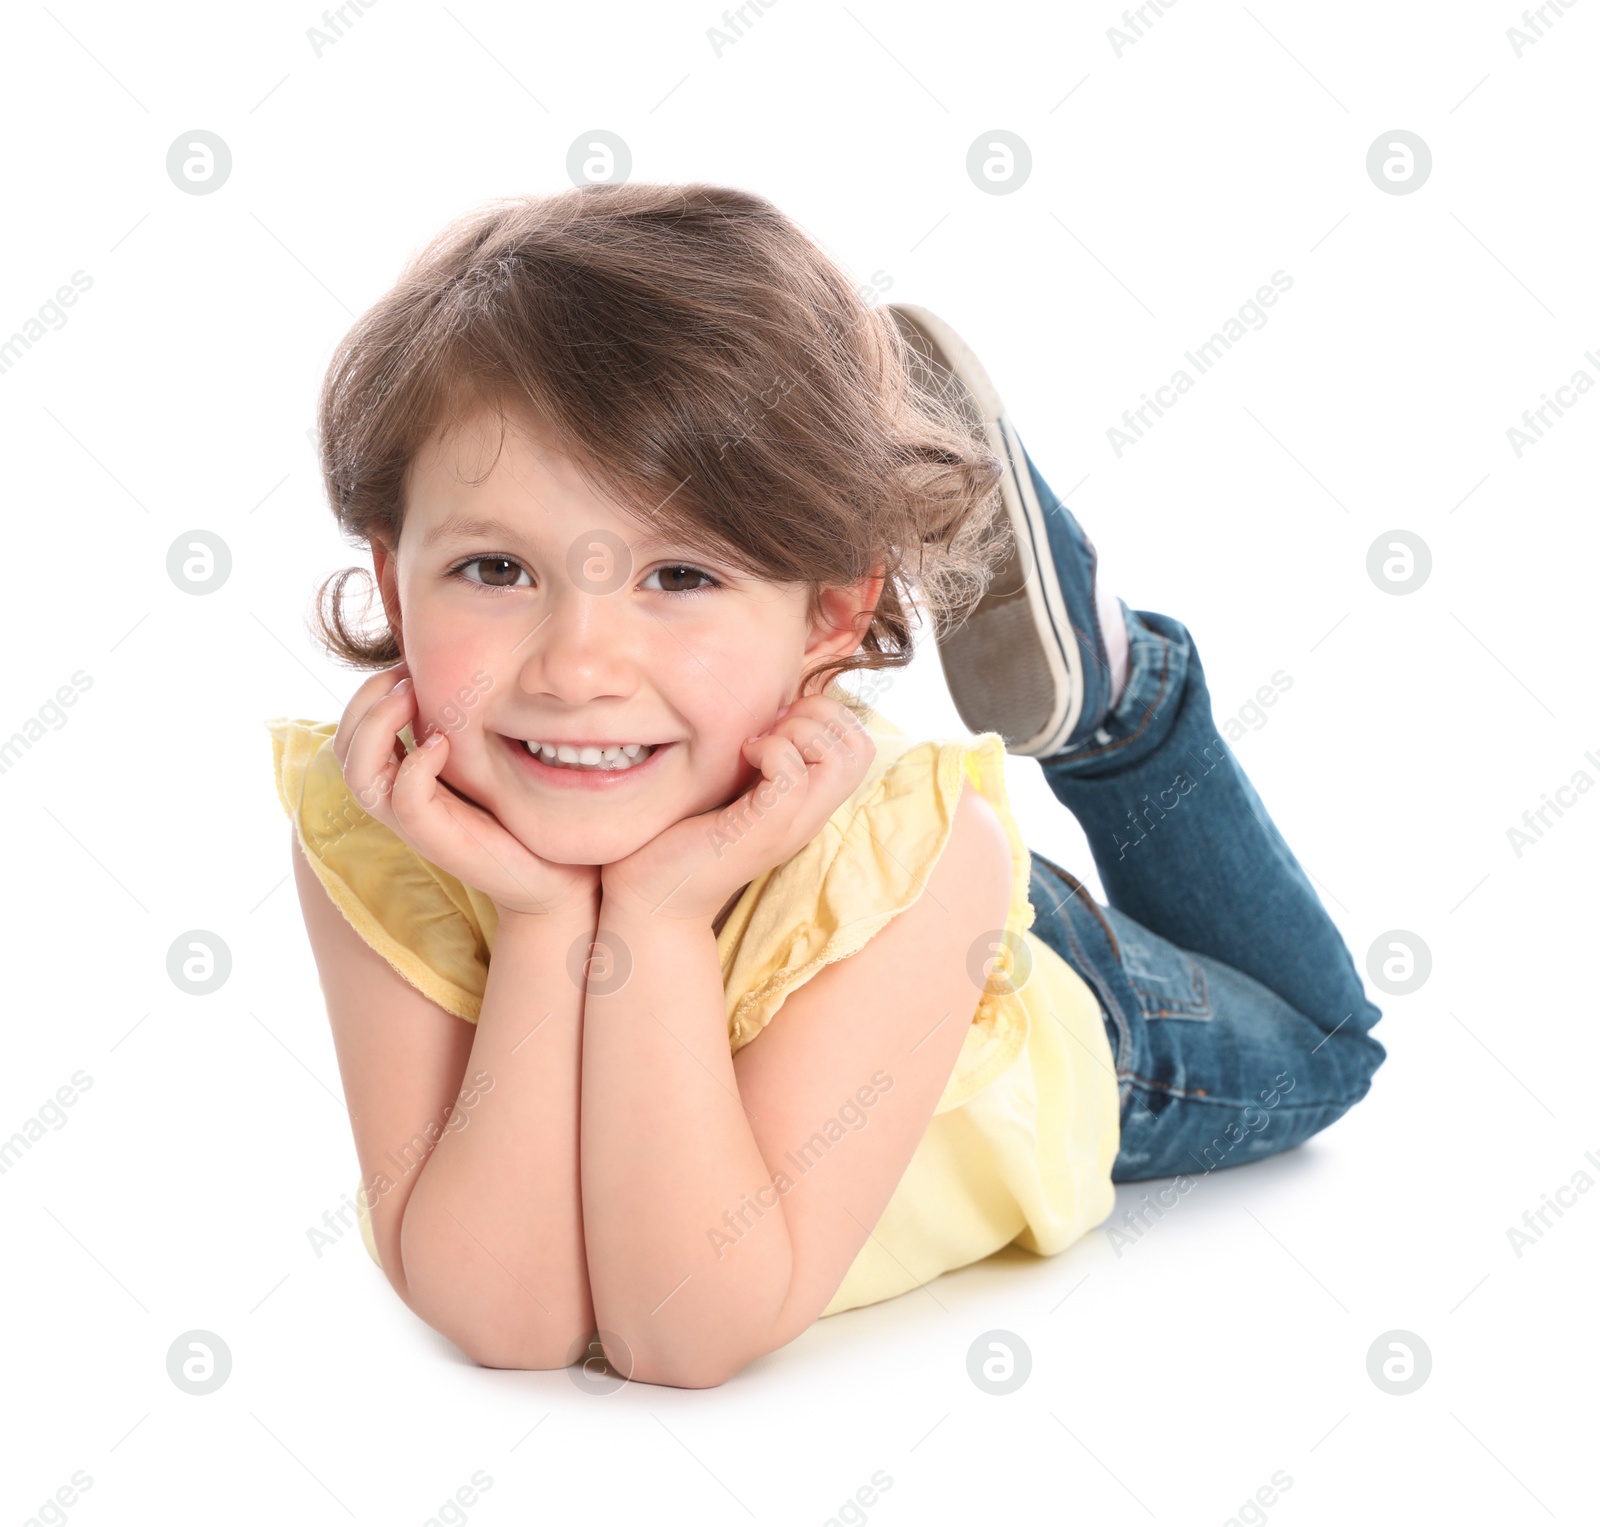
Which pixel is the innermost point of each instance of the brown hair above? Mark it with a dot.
(704, 363)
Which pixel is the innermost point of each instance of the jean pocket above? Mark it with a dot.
(1166, 979)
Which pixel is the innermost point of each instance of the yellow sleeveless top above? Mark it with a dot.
(1020, 1146)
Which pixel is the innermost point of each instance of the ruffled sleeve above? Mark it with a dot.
(434, 930)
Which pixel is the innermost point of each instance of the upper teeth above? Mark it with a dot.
(621, 756)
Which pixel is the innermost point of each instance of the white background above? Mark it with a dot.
(1168, 183)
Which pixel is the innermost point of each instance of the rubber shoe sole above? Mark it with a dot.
(1014, 665)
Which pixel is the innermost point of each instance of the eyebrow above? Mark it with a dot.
(464, 527)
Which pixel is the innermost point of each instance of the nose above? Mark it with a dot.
(577, 652)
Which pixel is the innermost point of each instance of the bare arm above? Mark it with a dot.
(723, 1201)
(493, 1238)
(467, 1137)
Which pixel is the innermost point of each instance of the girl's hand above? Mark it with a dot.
(812, 758)
(402, 790)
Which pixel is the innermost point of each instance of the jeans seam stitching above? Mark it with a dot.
(1202, 995)
(1167, 1087)
(1088, 901)
(1124, 1056)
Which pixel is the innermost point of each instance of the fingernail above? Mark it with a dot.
(434, 739)
(401, 687)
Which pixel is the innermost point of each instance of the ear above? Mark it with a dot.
(385, 573)
(844, 611)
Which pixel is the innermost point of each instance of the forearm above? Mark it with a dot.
(492, 1239)
(667, 1155)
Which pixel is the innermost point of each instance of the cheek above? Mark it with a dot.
(452, 680)
(725, 685)
(729, 689)
(451, 703)
(741, 666)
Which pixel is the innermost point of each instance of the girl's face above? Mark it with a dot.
(527, 607)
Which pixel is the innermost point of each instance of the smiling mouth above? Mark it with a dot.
(571, 758)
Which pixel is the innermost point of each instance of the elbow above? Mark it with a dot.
(701, 1348)
(491, 1329)
(698, 1367)
(496, 1352)
(685, 1375)
(495, 1336)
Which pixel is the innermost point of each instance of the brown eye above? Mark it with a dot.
(500, 572)
(679, 579)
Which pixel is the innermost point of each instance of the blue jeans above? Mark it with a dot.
(1237, 1020)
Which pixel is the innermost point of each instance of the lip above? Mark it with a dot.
(579, 779)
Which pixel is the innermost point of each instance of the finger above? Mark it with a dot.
(445, 828)
(784, 799)
(371, 690)
(781, 762)
(837, 756)
(375, 751)
(438, 822)
(828, 735)
(783, 810)
(416, 782)
(383, 719)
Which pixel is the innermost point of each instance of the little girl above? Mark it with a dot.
(769, 1011)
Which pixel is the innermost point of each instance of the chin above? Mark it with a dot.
(562, 841)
